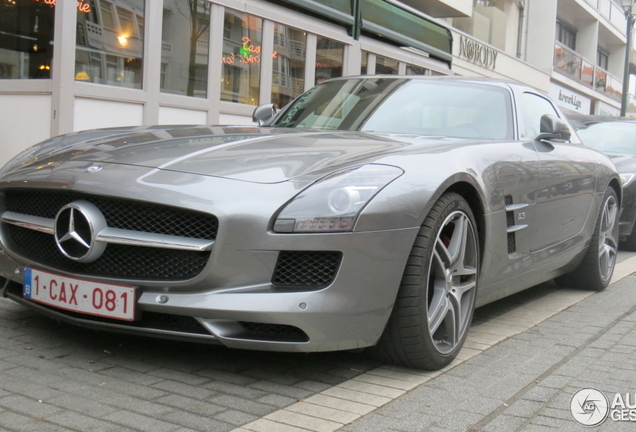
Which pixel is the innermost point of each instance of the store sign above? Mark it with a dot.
(477, 53)
(570, 99)
(82, 5)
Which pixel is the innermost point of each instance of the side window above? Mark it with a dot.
(534, 107)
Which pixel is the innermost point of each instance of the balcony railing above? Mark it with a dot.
(572, 65)
(611, 11)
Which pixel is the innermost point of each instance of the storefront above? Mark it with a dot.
(68, 66)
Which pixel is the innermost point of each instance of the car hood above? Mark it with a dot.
(243, 153)
(624, 163)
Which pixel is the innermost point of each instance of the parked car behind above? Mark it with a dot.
(616, 137)
(373, 211)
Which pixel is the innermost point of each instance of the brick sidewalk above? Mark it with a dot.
(60, 377)
(526, 383)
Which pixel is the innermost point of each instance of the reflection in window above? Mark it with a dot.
(363, 66)
(386, 66)
(416, 70)
(288, 78)
(110, 44)
(392, 105)
(241, 57)
(185, 47)
(26, 39)
(329, 59)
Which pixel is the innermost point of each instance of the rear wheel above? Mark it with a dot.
(597, 267)
(436, 299)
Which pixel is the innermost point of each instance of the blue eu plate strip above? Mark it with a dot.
(27, 282)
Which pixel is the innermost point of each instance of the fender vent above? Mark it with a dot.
(510, 221)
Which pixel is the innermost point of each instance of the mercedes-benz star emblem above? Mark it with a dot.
(76, 227)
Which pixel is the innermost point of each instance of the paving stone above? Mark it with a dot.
(139, 422)
(219, 387)
(198, 422)
(246, 406)
(184, 389)
(235, 417)
(23, 423)
(28, 406)
(276, 400)
(193, 405)
(322, 412)
(69, 420)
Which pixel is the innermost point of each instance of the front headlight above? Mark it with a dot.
(334, 203)
(627, 178)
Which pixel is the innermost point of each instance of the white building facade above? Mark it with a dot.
(73, 65)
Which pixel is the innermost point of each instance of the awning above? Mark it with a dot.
(383, 20)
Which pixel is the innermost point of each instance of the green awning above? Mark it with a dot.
(383, 20)
(339, 11)
(389, 21)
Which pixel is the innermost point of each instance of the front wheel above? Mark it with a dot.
(434, 306)
(596, 269)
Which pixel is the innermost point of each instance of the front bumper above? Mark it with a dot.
(349, 313)
(233, 300)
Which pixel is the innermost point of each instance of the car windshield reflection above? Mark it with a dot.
(403, 106)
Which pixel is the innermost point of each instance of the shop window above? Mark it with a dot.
(26, 39)
(110, 46)
(386, 66)
(329, 59)
(416, 70)
(288, 78)
(242, 44)
(185, 47)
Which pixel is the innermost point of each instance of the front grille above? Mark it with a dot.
(118, 261)
(273, 332)
(305, 270)
(119, 213)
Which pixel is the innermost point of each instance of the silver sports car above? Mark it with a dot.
(372, 211)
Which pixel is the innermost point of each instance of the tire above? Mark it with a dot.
(435, 302)
(596, 270)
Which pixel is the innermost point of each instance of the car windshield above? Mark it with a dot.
(611, 137)
(403, 106)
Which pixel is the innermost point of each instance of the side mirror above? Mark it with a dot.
(262, 113)
(553, 127)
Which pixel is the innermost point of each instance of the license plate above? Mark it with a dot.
(77, 295)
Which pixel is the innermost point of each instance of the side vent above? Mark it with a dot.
(511, 227)
(510, 221)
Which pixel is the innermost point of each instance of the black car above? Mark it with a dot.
(616, 137)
